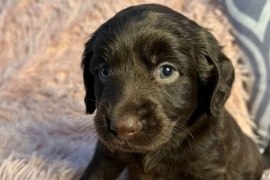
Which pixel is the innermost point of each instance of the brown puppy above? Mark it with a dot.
(159, 82)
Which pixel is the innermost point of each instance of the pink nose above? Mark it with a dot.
(125, 129)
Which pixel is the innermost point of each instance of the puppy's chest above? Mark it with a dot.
(169, 166)
(156, 166)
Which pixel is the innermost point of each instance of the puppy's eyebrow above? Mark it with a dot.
(175, 58)
(164, 48)
(96, 62)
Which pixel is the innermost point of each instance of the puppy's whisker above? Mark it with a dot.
(79, 129)
(167, 139)
(185, 129)
(74, 135)
(80, 114)
(99, 103)
(93, 100)
(81, 125)
(190, 144)
(187, 138)
(83, 140)
(164, 91)
(86, 129)
(177, 143)
(95, 137)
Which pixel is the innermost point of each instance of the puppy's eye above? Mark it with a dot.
(167, 72)
(104, 72)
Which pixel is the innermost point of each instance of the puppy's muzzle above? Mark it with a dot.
(125, 128)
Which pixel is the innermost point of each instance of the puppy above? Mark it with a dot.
(159, 82)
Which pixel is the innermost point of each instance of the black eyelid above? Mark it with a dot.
(98, 68)
(102, 65)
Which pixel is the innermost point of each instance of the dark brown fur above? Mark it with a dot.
(179, 127)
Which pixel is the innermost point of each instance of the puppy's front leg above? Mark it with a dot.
(103, 166)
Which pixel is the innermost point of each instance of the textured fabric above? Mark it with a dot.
(44, 132)
(251, 22)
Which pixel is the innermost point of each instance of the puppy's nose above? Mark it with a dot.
(125, 129)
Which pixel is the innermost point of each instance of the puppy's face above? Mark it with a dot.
(143, 88)
(147, 71)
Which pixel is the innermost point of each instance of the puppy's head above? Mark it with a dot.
(147, 71)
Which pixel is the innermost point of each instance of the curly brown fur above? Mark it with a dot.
(159, 83)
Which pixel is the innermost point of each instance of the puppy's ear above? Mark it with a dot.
(88, 78)
(216, 73)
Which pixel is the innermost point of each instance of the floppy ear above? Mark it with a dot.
(88, 78)
(216, 73)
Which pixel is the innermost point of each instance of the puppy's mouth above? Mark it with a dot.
(130, 146)
(126, 147)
